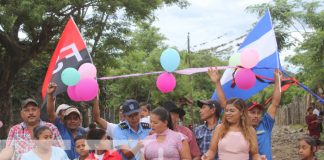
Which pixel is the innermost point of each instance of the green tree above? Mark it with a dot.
(144, 88)
(29, 30)
(307, 19)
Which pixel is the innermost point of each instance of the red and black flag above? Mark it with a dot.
(71, 51)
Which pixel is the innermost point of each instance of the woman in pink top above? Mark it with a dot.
(164, 143)
(235, 138)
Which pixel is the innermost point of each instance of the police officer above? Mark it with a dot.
(129, 134)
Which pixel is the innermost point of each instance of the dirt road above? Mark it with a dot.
(285, 141)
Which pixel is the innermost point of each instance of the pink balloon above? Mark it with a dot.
(249, 58)
(245, 79)
(166, 82)
(72, 94)
(87, 70)
(1, 124)
(87, 89)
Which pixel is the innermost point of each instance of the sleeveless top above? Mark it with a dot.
(233, 146)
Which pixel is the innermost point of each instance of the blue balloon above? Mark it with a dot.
(170, 59)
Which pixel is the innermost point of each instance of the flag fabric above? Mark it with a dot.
(262, 39)
(71, 51)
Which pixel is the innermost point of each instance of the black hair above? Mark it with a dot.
(80, 137)
(218, 108)
(310, 141)
(163, 116)
(147, 105)
(95, 134)
(39, 130)
(321, 113)
(309, 109)
(92, 126)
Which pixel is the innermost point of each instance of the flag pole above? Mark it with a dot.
(278, 60)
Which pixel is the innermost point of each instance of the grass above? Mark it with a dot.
(320, 155)
(296, 126)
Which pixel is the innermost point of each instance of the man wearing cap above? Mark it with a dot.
(70, 128)
(20, 137)
(128, 135)
(177, 114)
(209, 113)
(263, 126)
(60, 111)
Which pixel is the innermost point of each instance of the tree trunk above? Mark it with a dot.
(6, 115)
(10, 63)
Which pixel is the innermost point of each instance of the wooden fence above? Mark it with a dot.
(295, 112)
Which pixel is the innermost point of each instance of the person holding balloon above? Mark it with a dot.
(263, 126)
(70, 128)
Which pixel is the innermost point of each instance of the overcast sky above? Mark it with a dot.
(206, 20)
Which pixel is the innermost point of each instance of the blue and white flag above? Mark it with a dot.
(262, 39)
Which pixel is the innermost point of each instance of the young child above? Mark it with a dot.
(100, 146)
(145, 112)
(307, 148)
(80, 147)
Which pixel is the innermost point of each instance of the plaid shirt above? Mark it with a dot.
(204, 136)
(21, 140)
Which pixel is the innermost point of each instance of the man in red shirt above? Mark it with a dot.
(177, 114)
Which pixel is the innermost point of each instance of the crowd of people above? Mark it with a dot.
(231, 130)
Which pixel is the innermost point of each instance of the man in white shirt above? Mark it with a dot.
(109, 127)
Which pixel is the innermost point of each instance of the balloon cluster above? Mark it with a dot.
(245, 77)
(170, 61)
(82, 83)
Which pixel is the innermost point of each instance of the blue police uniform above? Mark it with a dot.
(125, 135)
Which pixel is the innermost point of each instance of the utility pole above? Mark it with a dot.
(190, 82)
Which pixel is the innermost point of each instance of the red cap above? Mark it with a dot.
(253, 104)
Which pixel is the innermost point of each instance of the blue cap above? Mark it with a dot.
(130, 106)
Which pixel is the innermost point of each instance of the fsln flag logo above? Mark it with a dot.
(70, 51)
